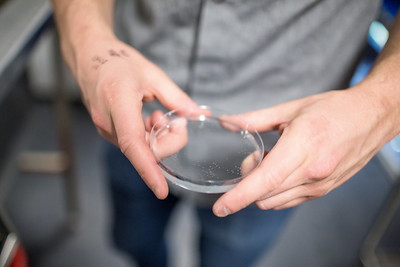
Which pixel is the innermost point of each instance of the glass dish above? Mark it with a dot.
(205, 150)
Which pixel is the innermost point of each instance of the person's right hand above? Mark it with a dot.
(115, 79)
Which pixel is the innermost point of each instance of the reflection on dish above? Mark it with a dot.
(205, 150)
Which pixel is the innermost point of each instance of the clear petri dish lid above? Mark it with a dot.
(205, 150)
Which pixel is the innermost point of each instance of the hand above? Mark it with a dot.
(115, 79)
(325, 139)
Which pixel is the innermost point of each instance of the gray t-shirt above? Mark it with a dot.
(250, 54)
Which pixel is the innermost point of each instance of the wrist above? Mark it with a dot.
(81, 26)
(381, 89)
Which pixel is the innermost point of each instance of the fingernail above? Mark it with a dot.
(223, 211)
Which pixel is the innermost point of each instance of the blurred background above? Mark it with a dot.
(54, 198)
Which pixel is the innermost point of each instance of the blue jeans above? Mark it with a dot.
(140, 220)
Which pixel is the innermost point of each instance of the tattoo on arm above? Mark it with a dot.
(113, 53)
(99, 61)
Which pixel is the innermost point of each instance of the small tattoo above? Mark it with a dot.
(113, 53)
(99, 60)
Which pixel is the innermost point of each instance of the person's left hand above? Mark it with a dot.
(325, 139)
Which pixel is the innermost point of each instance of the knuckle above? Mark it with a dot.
(321, 168)
(111, 90)
(271, 181)
(106, 88)
(98, 119)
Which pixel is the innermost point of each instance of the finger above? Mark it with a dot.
(194, 111)
(233, 123)
(147, 138)
(270, 118)
(259, 120)
(280, 200)
(147, 124)
(293, 203)
(156, 116)
(277, 166)
(149, 121)
(295, 179)
(158, 121)
(297, 194)
(171, 96)
(170, 140)
(129, 128)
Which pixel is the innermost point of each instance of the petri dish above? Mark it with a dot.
(206, 150)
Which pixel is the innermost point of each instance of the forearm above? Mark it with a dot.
(382, 85)
(80, 24)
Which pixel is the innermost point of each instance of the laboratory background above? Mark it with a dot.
(54, 200)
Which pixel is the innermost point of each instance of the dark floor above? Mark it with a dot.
(325, 232)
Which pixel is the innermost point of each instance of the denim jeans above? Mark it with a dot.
(140, 220)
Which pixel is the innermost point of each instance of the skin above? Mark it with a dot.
(115, 80)
(169, 140)
(325, 138)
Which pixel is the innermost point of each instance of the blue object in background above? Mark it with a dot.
(391, 7)
(377, 36)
